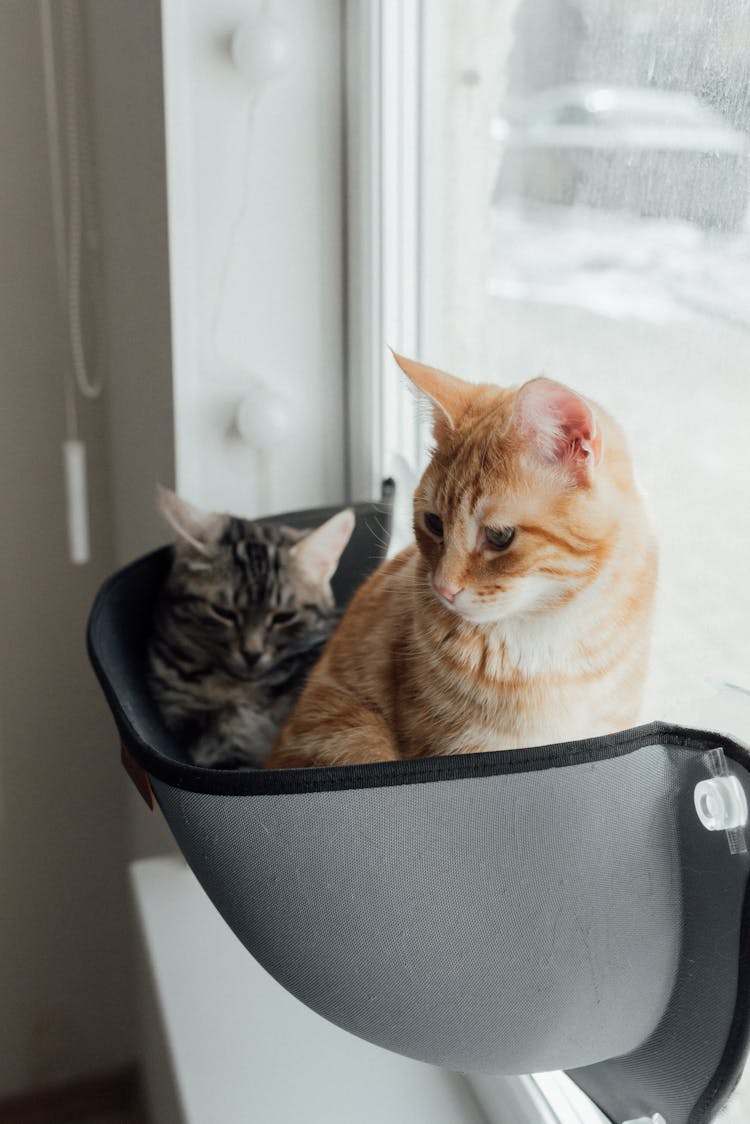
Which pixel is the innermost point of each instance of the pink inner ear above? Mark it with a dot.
(320, 551)
(561, 426)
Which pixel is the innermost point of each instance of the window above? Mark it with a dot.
(562, 187)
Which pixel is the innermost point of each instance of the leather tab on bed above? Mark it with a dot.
(138, 776)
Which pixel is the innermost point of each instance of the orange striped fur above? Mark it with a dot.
(456, 645)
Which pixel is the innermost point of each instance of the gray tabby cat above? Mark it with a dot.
(241, 618)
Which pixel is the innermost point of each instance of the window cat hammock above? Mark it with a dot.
(562, 907)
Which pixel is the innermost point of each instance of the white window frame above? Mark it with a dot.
(385, 297)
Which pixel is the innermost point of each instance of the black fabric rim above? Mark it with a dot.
(335, 778)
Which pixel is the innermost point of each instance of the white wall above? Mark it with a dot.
(125, 63)
(64, 958)
(256, 243)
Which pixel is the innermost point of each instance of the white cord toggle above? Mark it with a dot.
(76, 494)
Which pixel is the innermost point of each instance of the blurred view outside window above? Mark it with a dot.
(585, 186)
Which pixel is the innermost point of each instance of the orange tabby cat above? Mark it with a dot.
(522, 613)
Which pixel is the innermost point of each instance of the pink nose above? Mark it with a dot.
(449, 592)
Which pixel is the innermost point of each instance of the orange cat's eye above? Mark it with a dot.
(499, 539)
(433, 523)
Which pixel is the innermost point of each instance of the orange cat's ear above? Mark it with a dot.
(198, 529)
(559, 426)
(319, 552)
(448, 395)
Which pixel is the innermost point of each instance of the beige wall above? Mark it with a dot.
(66, 827)
(125, 61)
(64, 992)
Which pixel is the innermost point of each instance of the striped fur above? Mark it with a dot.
(455, 646)
(239, 622)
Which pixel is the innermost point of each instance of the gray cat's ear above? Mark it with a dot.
(318, 553)
(447, 395)
(198, 529)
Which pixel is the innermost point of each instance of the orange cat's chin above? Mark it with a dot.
(469, 610)
(530, 595)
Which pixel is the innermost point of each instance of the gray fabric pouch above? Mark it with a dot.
(561, 907)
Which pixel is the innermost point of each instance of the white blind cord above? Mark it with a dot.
(57, 194)
(72, 72)
(68, 252)
(68, 235)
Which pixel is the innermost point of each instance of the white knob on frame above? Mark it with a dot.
(260, 50)
(263, 417)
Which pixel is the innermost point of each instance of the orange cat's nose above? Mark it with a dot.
(448, 592)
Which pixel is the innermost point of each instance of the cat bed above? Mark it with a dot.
(561, 907)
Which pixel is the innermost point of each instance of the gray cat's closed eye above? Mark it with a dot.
(227, 615)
